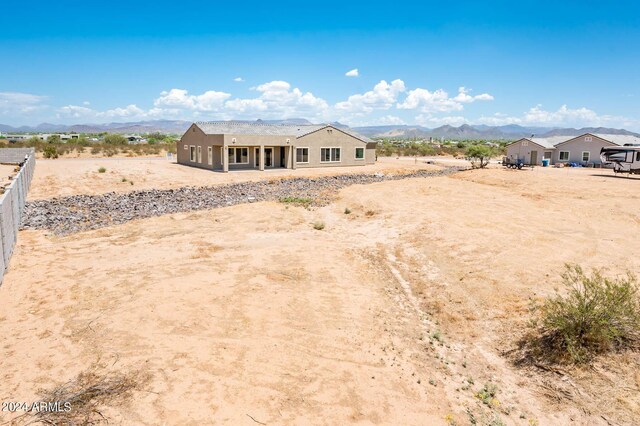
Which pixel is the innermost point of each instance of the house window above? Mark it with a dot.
(186, 147)
(210, 155)
(192, 153)
(564, 156)
(329, 155)
(547, 155)
(586, 155)
(199, 154)
(239, 155)
(359, 153)
(588, 138)
(638, 156)
(302, 155)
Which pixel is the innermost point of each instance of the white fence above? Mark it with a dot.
(13, 200)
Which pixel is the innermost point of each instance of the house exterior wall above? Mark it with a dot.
(581, 144)
(196, 137)
(322, 138)
(334, 138)
(522, 150)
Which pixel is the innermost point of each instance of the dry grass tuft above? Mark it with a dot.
(81, 401)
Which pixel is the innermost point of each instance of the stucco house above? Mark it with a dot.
(583, 149)
(232, 145)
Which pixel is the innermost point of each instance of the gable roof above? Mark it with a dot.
(553, 141)
(543, 142)
(619, 139)
(244, 128)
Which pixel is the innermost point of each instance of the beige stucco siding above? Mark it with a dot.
(523, 148)
(334, 138)
(195, 137)
(581, 144)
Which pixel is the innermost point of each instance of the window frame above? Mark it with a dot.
(186, 147)
(588, 156)
(234, 148)
(302, 147)
(199, 152)
(560, 156)
(192, 153)
(210, 155)
(331, 154)
(356, 153)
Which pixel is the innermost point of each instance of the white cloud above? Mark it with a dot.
(383, 96)
(390, 120)
(278, 100)
(16, 102)
(238, 79)
(353, 73)
(562, 117)
(426, 101)
(86, 103)
(430, 120)
(464, 97)
(180, 98)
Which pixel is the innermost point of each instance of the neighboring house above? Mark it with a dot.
(583, 149)
(236, 145)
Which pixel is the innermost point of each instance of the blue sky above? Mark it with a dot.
(560, 63)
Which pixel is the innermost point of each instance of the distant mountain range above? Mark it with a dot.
(465, 131)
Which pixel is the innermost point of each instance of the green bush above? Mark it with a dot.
(318, 226)
(596, 315)
(102, 170)
(298, 201)
(50, 152)
(113, 139)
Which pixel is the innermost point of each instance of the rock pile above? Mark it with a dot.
(66, 215)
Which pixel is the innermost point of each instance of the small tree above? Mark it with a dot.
(54, 139)
(479, 155)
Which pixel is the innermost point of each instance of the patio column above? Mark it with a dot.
(225, 158)
(262, 157)
(293, 156)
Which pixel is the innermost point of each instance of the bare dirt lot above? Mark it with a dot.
(71, 176)
(396, 313)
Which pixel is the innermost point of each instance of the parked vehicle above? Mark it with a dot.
(513, 163)
(625, 159)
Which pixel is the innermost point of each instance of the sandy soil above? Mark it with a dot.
(80, 176)
(7, 172)
(397, 313)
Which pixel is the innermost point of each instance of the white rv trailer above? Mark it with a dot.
(625, 159)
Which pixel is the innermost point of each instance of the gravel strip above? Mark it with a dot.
(67, 215)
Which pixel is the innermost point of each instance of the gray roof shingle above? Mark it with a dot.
(244, 128)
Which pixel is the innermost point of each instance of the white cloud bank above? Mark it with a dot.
(238, 79)
(353, 73)
(388, 103)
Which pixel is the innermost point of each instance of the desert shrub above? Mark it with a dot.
(110, 151)
(50, 151)
(488, 393)
(318, 226)
(113, 139)
(96, 150)
(479, 155)
(596, 315)
(54, 139)
(102, 170)
(347, 210)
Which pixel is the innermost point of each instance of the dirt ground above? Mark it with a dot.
(397, 313)
(7, 172)
(71, 176)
